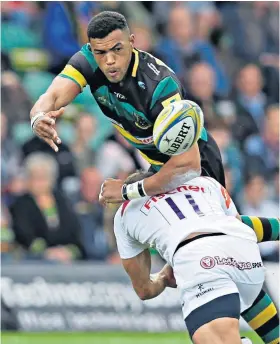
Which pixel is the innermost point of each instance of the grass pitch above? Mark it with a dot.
(103, 338)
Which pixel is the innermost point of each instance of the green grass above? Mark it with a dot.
(103, 338)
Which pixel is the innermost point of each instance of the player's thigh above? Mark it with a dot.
(219, 331)
(210, 301)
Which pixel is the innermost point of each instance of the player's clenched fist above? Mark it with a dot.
(111, 191)
(43, 125)
(170, 281)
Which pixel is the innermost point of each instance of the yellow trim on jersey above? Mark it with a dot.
(198, 125)
(275, 341)
(127, 135)
(263, 316)
(172, 99)
(136, 63)
(258, 227)
(74, 74)
(151, 161)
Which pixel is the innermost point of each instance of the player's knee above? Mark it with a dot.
(219, 331)
(225, 328)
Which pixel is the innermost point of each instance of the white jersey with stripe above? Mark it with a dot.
(163, 221)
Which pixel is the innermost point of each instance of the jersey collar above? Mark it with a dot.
(131, 71)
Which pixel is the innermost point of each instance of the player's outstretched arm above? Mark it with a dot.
(146, 286)
(50, 106)
(177, 170)
(266, 228)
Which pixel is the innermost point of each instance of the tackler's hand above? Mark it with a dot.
(111, 191)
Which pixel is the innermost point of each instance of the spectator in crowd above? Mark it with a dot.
(207, 19)
(275, 190)
(15, 101)
(43, 222)
(256, 203)
(265, 147)
(251, 102)
(10, 155)
(60, 33)
(128, 158)
(84, 155)
(143, 38)
(7, 234)
(91, 214)
(231, 155)
(200, 85)
(180, 50)
(64, 156)
(253, 28)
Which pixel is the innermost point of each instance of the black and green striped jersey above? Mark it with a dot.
(133, 104)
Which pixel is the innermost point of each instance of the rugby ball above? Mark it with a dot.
(178, 127)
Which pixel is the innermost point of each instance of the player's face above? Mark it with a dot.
(113, 54)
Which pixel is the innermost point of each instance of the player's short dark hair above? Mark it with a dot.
(104, 23)
(138, 175)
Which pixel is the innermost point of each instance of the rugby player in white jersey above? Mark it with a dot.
(212, 257)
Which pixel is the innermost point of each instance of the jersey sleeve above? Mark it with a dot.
(227, 203)
(167, 91)
(77, 70)
(127, 246)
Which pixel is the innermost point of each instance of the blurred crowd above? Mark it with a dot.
(225, 53)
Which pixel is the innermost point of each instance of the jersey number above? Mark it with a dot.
(178, 212)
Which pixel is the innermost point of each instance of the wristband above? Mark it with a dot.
(141, 188)
(36, 117)
(133, 191)
(124, 192)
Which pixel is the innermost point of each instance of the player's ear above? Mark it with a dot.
(132, 40)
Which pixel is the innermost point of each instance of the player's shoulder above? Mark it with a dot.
(84, 60)
(153, 67)
(207, 181)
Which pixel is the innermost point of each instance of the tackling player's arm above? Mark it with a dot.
(49, 106)
(179, 168)
(146, 286)
(176, 171)
(136, 261)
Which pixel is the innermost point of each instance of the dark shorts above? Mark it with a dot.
(211, 160)
(226, 306)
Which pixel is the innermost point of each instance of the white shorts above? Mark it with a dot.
(210, 267)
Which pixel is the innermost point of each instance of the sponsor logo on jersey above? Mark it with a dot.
(146, 140)
(142, 85)
(202, 290)
(140, 122)
(207, 262)
(154, 199)
(103, 100)
(153, 68)
(119, 95)
(229, 261)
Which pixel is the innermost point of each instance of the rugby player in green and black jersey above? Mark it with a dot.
(132, 87)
